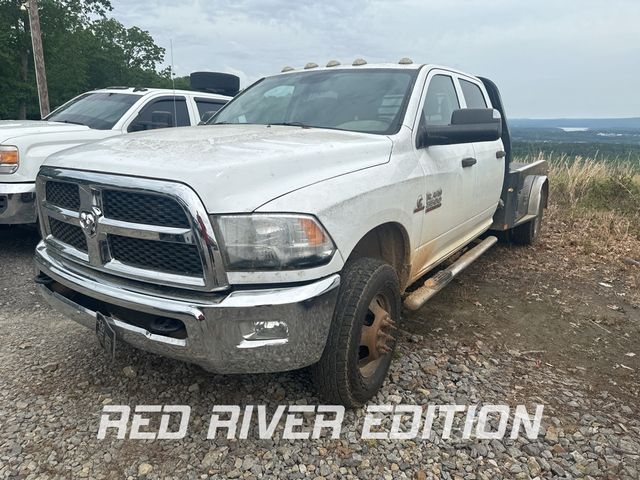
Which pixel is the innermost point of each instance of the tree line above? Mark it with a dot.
(84, 49)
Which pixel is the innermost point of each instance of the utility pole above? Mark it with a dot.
(38, 57)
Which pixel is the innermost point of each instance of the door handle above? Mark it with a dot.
(468, 162)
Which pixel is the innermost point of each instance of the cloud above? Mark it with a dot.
(550, 58)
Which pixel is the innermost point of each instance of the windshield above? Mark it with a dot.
(95, 110)
(367, 100)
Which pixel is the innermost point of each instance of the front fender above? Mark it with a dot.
(350, 206)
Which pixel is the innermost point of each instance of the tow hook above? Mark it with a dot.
(42, 279)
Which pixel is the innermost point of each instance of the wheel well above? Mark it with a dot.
(390, 243)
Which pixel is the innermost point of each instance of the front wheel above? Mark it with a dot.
(363, 334)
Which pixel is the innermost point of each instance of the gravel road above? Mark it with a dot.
(54, 382)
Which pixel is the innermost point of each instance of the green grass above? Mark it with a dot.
(595, 185)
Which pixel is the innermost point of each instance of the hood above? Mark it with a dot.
(10, 129)
(37, 139)
(233, 168)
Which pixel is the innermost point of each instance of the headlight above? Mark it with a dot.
(9, 159)
(273, 242)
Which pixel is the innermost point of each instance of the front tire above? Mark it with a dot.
(363, 336)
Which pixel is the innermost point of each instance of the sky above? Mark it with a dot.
(550, 58)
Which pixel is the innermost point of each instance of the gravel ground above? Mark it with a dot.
(54, 381)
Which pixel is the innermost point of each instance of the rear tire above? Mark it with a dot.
(363, 336)
(529, 233)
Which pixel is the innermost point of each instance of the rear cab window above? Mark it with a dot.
(472, 94)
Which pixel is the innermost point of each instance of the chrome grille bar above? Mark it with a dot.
(147, 232)
(59, 213)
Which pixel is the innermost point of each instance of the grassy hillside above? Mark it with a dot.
(596, 203)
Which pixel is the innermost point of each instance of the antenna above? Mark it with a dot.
(173, 83)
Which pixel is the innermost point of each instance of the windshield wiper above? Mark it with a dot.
(285, 124)
(68, 121)
(291, 124)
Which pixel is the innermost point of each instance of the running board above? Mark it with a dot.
(419, 297)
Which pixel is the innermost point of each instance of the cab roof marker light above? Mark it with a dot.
(359, 61)
(405, 61)
(310, 65)
(287, 69)
(333, 63)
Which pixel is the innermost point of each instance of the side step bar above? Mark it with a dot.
(441, 279)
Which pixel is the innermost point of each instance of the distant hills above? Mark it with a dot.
(591, 123)
(612, 138)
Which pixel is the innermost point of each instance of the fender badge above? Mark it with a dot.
(434, 200)
(419, 204)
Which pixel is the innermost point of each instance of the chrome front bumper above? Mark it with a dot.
(17, 203)
(243, 331)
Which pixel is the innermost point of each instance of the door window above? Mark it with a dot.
(440, 102)
(162, 113)
(472, 95)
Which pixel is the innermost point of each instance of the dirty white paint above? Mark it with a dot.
(352, 182)
(234, 168)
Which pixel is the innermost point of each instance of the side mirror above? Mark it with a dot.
(468, 125)
(206, 116)
(136, 126)
(161, 119)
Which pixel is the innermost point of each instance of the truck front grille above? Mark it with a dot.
(65, 195)
(174, 258)
(143, 208)
(147, 230)
(68, 234)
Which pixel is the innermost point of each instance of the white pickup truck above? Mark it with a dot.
(95, 115)
(286, 232)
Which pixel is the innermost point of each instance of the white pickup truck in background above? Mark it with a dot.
(95, 115)
(286, 232)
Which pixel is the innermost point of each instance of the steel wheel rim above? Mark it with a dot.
(375, 338)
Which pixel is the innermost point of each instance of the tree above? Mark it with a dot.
(123, 56)
(16, 88)
(84, 49)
